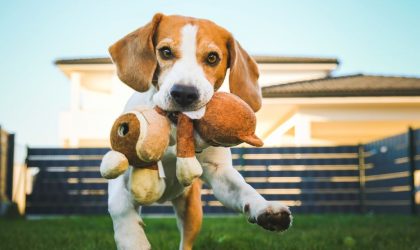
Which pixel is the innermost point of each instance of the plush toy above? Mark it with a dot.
(140, 138)
(227, 121)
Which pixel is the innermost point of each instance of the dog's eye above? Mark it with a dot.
(212, 58)
(166, 53)
(123, 129)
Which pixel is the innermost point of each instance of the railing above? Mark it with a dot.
(376, 177)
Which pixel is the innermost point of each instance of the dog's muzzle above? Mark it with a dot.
(184, 95)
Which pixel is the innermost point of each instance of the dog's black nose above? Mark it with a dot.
(184, 95)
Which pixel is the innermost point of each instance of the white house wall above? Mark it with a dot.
(98, 97)
(338, 123)
(271, 74)
(361, 112)
(93, 109)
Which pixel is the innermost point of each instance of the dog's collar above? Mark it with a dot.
(172, 115)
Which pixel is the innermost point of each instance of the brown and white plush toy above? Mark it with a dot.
(139, 139)
(227, 121)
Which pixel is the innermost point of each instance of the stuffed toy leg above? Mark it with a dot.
(187, 166)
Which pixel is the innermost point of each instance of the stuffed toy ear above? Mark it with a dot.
(187, 166)
(252, 140)
(113, 164)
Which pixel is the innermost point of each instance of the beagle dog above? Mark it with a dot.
(177, 63)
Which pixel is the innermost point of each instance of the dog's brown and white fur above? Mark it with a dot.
(144, 63)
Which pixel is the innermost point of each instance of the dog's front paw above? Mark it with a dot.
(273, 216)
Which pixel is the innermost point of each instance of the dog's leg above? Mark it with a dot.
(231, 190)
(189, 214)
(128, 226)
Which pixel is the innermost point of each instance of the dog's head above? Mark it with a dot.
(186, 59)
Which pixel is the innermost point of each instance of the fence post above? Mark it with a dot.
(2, 177)
(10, 164)
(362, 177)
(412, 166)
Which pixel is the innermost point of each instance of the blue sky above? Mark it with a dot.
(374, 37)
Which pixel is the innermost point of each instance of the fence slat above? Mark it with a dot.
(66, 151)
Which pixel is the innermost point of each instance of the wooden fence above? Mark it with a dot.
(6, 167)
(390, 168)
(376, 177)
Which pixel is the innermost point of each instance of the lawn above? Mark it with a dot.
(308, 232)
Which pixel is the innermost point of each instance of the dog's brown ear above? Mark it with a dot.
(134, 56)
(243, 78)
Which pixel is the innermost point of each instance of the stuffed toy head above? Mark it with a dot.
(138, 139)
(228, 121)
(142, 136)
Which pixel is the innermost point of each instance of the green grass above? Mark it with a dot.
(308, 232)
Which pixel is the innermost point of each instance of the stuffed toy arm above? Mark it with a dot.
(187, 166)
(113, 164)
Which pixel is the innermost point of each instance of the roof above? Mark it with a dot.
(347, 86)
(258, 58)
(284, 59)
(95, 60)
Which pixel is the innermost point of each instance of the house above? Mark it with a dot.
(303, 103)
(339, 110)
